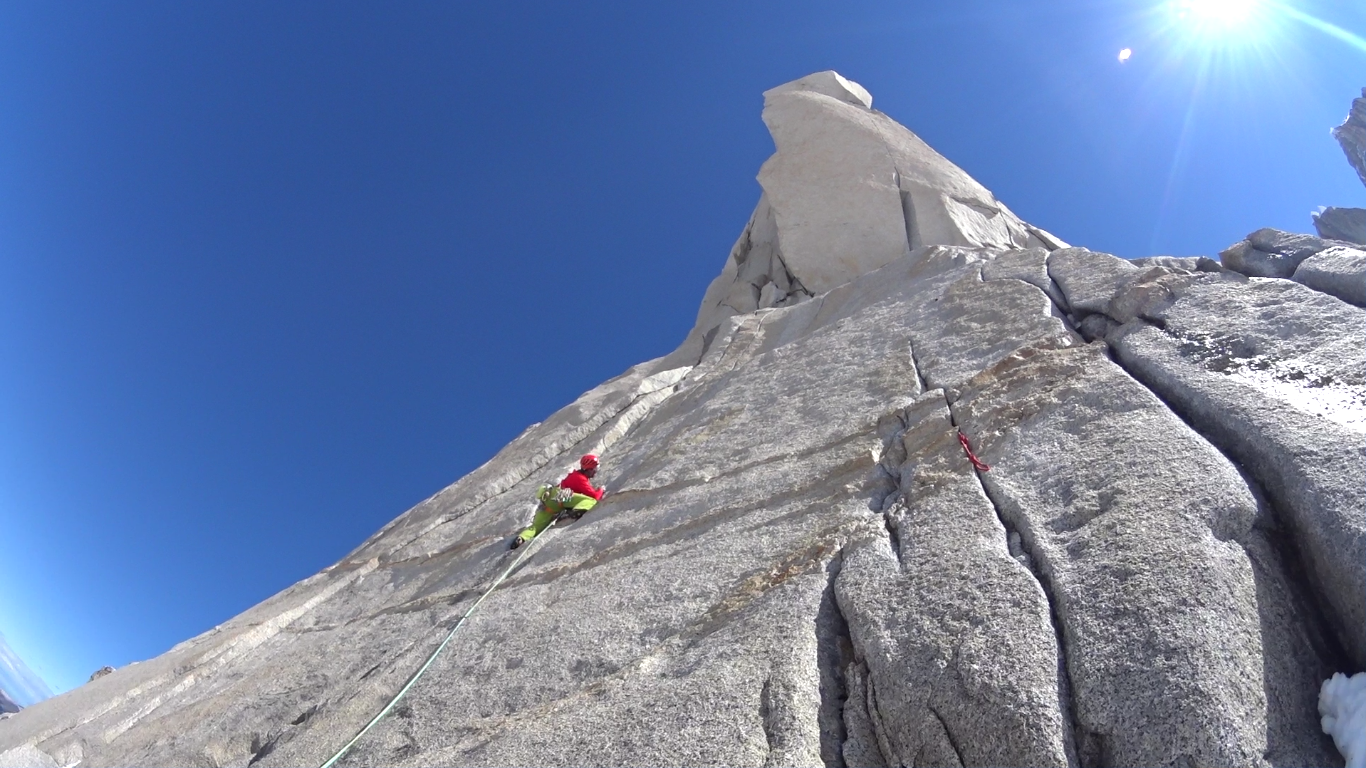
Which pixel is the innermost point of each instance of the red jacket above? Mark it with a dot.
(577, 482)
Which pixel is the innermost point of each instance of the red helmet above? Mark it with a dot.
(589, 461)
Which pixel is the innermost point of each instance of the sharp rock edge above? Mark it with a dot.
(798, 565)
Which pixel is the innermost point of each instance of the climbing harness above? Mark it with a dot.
(977, 464)
(423, 669)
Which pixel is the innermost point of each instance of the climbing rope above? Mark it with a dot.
(977, 464)
(423, 669)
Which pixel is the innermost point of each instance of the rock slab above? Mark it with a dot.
(1337, 271)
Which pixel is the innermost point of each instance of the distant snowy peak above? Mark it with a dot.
(7, 704)
(18, 683)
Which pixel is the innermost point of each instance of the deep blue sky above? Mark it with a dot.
(271, 273)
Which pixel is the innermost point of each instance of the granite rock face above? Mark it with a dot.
(26, 756)
(1273, 253)
(1332, 266)
(798, 564)
(1351, 135)
(1337, 271)
(1271, 372)
(1346, 224)
(849, 190)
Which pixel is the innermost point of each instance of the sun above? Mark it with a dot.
(1246, 21)
(1215, 13)
(1221, 24)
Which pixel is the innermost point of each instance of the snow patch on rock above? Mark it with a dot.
(1342, 703)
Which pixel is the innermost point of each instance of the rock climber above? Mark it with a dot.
(582, 496)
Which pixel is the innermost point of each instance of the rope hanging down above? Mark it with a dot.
(977, 464)
(423, 669)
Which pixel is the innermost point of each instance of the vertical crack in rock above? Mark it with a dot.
(792, 279)
(893, 532)
(1023, 552)
(948, 735)
(1284, 642)
(1325, 642)
(884, 743)
(1076, 737)
(753, 297)
(1321, 630)
(747, 331)
(1064, 307)
(861, 747)
(891, 429)
(766, 718)
(834, 655)
(924, 386)
(1294, 392)
(908, 217)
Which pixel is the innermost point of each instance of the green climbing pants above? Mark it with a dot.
(576, 506)
(538, 523)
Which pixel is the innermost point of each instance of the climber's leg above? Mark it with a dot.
(538, 524)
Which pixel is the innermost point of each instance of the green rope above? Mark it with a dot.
(421, 670)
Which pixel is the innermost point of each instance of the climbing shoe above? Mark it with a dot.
(516, 542)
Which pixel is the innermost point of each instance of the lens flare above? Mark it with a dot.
(1225, 13)
(1332, 30)
(1201, 55)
